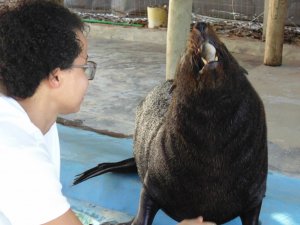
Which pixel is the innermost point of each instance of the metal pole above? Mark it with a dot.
(179, 21)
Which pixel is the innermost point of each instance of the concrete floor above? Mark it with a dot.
(131, 61)
(115, 197)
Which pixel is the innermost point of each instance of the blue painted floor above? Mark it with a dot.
(82, 150)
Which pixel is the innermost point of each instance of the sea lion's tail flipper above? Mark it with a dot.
(124, 166)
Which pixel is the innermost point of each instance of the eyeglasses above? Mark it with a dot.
(89, 69)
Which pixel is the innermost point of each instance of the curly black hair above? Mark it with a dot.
(35, 38)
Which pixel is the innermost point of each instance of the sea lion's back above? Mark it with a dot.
(150, 117)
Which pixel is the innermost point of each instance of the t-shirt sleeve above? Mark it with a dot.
(30, 188)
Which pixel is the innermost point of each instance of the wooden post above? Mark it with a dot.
(275, 32)
(179, 22)
(266, 10)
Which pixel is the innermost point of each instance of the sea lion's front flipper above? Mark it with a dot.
(147, 210)
(251, 217)
(146, 213)
(124, 166)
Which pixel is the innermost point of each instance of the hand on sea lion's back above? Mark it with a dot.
(196, 221)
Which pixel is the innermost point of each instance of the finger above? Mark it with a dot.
(200, 219)
(196, 221)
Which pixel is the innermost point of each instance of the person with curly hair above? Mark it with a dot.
(44, 72)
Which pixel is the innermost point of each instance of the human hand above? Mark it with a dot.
(196, 221)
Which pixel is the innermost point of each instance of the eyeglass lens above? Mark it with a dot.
(90, 70)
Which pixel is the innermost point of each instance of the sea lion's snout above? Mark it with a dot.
(201, 33)
(201, 26)
(205, 44)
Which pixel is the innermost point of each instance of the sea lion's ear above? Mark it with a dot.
(245, 72)
(172, 88)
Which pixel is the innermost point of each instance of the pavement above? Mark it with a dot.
(131, 61)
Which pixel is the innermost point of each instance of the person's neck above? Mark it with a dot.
(37, 110)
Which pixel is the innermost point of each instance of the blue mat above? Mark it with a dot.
(82, 150)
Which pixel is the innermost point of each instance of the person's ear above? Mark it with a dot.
(55, 78)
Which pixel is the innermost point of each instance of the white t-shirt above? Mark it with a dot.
(30, 189)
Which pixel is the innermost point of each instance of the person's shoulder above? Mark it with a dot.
(15, 126)
(10, 108)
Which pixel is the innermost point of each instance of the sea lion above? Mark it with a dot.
(200, 142)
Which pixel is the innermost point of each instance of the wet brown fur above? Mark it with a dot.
(203, 150)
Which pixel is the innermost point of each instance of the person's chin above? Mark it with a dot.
(71, 111)
(75, 110)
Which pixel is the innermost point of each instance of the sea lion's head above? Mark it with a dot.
(206, 63)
